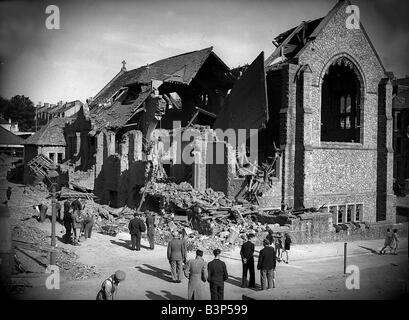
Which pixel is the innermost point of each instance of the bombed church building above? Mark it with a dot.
(320, 104)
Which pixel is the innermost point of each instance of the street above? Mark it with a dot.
(315, 271)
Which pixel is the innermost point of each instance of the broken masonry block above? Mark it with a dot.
(172, 226)
(233, 235)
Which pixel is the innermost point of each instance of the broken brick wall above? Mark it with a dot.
(316, 172)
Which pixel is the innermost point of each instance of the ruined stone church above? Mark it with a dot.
(321, 102)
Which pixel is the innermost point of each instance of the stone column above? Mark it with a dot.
(386, 200)
(303, 139)
(199, 167)
(287, 132)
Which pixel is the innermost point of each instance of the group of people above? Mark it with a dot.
(196, 270)
(137, 227)
(273, 248)
(215, 272)
(199, 272)
(76, 222)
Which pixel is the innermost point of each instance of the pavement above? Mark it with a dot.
(315, 271)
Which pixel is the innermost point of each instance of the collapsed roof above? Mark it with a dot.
(105, 112)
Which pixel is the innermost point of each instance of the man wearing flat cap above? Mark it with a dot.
(267, 264)
(109, 287)
(176, 256)
(196, 272)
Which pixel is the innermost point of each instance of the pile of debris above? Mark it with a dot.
(183, 195)
(206, 218)
(32, 247)
(109, 220)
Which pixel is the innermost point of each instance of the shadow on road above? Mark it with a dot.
(236, 281)
(370, 249)
(126, 244)
(167, 296)
(171, 296)
(155, 272)
(153, 296)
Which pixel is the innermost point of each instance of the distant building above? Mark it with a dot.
(49, 141)
(47, 111)
(11, 144)
(400, 110)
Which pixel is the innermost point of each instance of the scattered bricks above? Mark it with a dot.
(172, 226)
(187, 231)
(224, 234)
(233, 235)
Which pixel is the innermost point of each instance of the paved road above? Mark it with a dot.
(316, 268)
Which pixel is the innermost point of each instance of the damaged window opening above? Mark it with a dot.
(340, 104)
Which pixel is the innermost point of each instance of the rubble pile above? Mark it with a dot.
(206, 218)
(109, 220)
(184, 196)
(36, 244)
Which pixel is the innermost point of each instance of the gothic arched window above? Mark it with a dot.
(340, 103)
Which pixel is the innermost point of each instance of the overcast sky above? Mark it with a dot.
(76, 61)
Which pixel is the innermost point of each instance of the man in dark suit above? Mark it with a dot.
(150, 224)
(176, 256)
(136, 227)
(247, 258)
(267, 264)
(217, 274)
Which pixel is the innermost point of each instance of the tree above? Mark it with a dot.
(19, 109)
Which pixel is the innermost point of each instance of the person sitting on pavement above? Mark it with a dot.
(109, 288)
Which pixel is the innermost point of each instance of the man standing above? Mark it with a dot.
(88, 224)
(43, 212)
(217, 274)
(196, 272)
(247, 258)
(176, 256)
(77, 223)
(60, 216)
(136, 227)
(109, 288)
(150, 224)
(67, 222)
(267, 264)
(8, 193)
